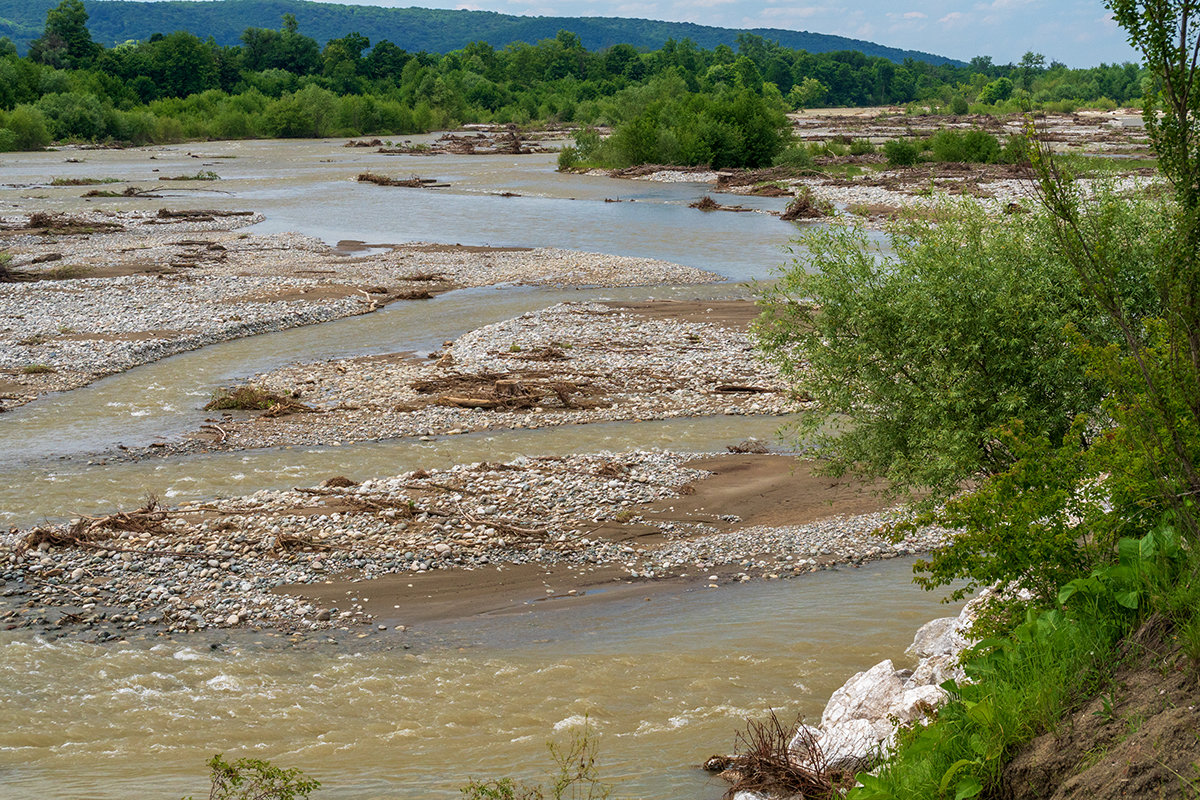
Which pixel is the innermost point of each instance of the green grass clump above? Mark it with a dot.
(1030, 678)
(82, 181)
(202, 175)
(37, 369)
(246, 398)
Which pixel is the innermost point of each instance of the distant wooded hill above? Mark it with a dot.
(414, 29)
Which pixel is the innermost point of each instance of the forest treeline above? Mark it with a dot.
(728, 103)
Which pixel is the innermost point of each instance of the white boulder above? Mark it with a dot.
(868, 695)
(938, 638)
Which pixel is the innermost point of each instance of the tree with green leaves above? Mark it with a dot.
(66, 41)
(1154, 377)
(807, 94)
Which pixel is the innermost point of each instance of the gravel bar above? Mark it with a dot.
(215, 564)
(107, 291)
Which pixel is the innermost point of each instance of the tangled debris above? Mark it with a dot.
(777, 760)
(415, 182)
(255, 398)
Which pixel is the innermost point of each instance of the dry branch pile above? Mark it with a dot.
(502, 392)
(767, 762)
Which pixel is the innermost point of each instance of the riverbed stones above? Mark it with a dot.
(139, 287)
(570, 363)
(203, 564)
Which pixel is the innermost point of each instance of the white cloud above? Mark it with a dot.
(954, 19)
(686, 4)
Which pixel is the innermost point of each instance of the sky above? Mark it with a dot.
(1079, 33)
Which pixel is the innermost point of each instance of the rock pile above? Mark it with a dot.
(860, 721)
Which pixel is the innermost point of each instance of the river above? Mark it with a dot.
(663, 681)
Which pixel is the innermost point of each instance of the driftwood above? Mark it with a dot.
(778, 760)
(734, 388)
(198, 214)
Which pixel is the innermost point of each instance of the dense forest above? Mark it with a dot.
(436, 30)
(680, 103)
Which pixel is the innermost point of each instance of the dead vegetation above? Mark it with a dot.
(413, 182)
(128, 191)
(504, 392)
(748, 447)
(508, 142)
(255, 398)
(777, 760)
(706, 203)
(199, 214)
(806, 205)
(63, 224)
(88, 531)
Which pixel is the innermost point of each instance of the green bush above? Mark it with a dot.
(255, 779)
(974, 146)
(959, 105)
(917, 357)
(861, 147)
(28, 127)
(568, 157)
(1022, 683)
(797, 156)
(901, 152)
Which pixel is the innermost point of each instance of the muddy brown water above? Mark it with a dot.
(665, 682)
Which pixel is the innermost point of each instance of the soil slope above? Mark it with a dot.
(1138, 738)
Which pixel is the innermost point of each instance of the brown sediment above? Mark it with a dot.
(763, 490)
(774, 490)
(1136, 739)
(736, 314)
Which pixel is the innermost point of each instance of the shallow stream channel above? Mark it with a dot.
(663, 680)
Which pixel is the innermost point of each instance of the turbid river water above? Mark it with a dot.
(663, 682)
(666, 683)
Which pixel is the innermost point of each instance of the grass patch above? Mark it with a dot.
(848, 171)
(1027, 681)
(37, 369)
(1091, 165)
(254, 398)
(202, 175)
(82, 181)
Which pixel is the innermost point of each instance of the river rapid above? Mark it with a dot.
(663, 681)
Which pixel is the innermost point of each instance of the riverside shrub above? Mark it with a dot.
(975, 146)
(919, 358)
(901, 152)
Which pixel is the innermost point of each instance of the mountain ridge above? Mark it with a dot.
(414, 29)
